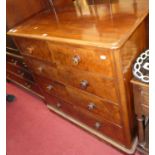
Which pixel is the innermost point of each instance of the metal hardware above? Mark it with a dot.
(12, 60)
(91, 106)
(15, 62)
(84, 84)
(58, 105)
(49, 87)
(30, 50)
(28, 85)
(97, 125)
(40, 69)
(76, 60)
(20, 72)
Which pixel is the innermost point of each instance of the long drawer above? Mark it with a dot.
(86, 81)
(87, 118)
(87, 101)
(96, 60)
(19, 71)
(23, 82)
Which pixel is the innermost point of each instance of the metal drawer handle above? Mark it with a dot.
(20, 72)
(30, 49)
(84, 84)
(12, 60)
(91, 106)
(97, 125)
(40, 69)
(24, 64)
(58, 105)
(76, 59)
(28, 85)
(49, 87)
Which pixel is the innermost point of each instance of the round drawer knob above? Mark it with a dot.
(30, 50)
(24, 64)
(91, 106)
(49, 87)
(12, 60)
(76, 60)
(15, 62)
(97, 125)
(58, 105)
(40, 69)
(28, 85)
(84, 84)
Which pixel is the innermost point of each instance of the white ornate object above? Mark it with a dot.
(141, 67)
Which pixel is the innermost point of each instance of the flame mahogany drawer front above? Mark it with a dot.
(97, 123)
(35, 48)
(89, 102)
(86, 81)
(19, 71)
(96, 60)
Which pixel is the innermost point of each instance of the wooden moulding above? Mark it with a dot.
(101, 136)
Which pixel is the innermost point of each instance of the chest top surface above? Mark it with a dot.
(107, 24)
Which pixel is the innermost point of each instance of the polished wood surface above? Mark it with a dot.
(94, 104)
(99, 60)
(82, 52)
(141, 102)
(105, 87)
(88, 118)
(107, 25)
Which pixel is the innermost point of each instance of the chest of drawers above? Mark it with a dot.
(82, 63)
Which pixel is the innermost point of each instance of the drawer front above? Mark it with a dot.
(86, 81)
(34, 48)
(25, 83)
(16, 61)
(91, 103)
(96, 60)
(19, 71)
(87, 118)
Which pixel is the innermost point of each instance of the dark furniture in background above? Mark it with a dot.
(141, 102)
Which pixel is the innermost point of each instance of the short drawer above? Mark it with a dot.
(91, 59)
(87, 118)
(86, 81)
(34, 48)
(87, 101)
(16, 61)
(19, 71)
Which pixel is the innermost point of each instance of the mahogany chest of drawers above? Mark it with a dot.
(82, 60)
